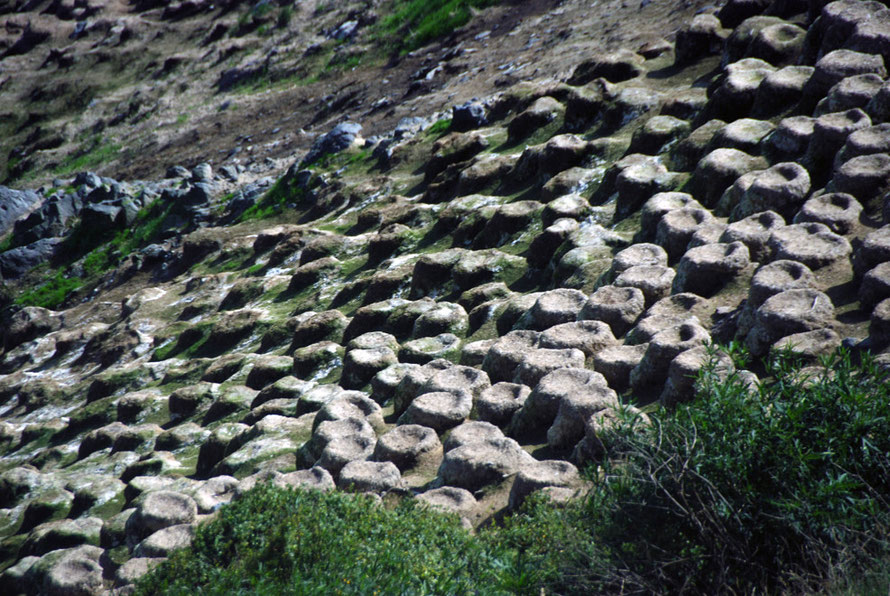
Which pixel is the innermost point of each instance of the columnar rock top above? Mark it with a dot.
(455, 311)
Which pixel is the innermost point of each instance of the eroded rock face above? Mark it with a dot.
(559, 244)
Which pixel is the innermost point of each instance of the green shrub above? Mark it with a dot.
(743, 491)
(283, 541)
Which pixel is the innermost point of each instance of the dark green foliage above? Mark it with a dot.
(281, 541)
(414, 23)
(50, 293)
(749, 491)
(284, 16)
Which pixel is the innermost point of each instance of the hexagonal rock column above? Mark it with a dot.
(680, 385)
(542, 474)
(839, 211)
(879, 327)
(449, 499)
(754, 232)
(370, 477)
(660, 204)
(498, 403)
(787, 313)
(542, 405)
(618, 307)
(781, 90)
(574, 409)
(588, 336)
(553, 308)
(874, 250)
(866, 141)
(408, 445)
(536, 364)
(705, 269)
(653, 280)
(677, 227)
(472, 431)
(652, 370)
(776, 277)
(335, 443)
(617, 362)
(506, 354)
(477, 465)
(812, 244)
(718, 170)
(439, 410)
(781, 188)
(864, 177)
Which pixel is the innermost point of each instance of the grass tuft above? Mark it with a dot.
(415, 23)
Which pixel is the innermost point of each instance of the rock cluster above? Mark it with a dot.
(562, 253)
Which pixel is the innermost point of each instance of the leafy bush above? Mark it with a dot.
(275, 541)
(771, 489)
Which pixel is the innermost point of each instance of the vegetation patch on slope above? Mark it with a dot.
(414, 23)
(748, 489)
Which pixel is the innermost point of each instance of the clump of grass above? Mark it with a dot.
(51, 292)
(439, 127)
(414, 23)
(100, 152)
(283, 193)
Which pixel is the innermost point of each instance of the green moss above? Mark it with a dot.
(185, 345)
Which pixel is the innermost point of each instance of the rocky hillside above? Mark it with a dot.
(444, 294)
